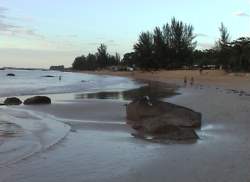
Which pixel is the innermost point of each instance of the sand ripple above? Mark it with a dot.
(24, 133)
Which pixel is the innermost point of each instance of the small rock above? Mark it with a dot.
(12, 101)
(37, 100)
(48, 76)
(10, 74)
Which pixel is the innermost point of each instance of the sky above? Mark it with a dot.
(40, 33)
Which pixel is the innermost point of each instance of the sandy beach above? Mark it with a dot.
(99, 145)
(238, 81)
(124, 91)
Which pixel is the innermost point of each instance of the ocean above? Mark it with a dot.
(34, 82)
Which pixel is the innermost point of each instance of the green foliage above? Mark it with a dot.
(173, 47)
(144, 50)
(232, 56)
(224, 36)
(169, 47)
(239, 54)
(96, 61)
(129, 59)
(102, 56)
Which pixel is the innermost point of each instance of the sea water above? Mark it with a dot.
(34, 82)
(24, 133)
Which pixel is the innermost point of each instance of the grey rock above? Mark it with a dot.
(10, 74)
(162, 119)
(12, 101)
(37, 100)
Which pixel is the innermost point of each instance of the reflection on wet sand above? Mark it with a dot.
(155, 90)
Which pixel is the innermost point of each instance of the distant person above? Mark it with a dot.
(201, 70)
(192, 81)
(60, 78)
(185, 81)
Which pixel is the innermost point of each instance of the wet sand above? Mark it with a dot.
(100, 147)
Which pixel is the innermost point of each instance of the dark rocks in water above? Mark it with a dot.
(10, 74)
(37, 100)
(163, 119)
(48, 76)
(12, 101)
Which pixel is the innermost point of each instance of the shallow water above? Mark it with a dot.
(154, 90)
(32, 82)
(24, 133)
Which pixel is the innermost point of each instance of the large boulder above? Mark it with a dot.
(37, 100)
(162, 118)
(145, 111)
(12, 101)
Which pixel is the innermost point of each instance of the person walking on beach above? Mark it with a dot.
(192, 81)
(60, 78)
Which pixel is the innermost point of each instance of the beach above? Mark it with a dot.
(84, 136)
(220, 78)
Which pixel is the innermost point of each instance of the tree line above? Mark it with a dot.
(173, 46)
(101, 59)
(229, 55)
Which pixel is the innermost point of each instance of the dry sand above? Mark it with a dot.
(239, 81)
(100, 147)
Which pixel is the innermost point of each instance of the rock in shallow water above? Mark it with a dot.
(12, 101)
(10, 74)
(48, 76)
(163, 119)
(37, 100)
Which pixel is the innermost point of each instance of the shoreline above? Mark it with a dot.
(99, 143)
(214, 78)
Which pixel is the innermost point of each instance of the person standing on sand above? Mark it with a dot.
(201, 70)
(192, 81)
(185, 81)
(60, 78)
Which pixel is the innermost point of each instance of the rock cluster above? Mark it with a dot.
(36, 100)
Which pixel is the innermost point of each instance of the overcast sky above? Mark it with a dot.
(36, 33)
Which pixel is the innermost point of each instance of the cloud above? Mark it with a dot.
(205, 45)
(201, 35)
(9, 28)
(108, 43)
(3, 9)
(241, 14)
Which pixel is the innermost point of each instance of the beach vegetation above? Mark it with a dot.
(173, 46)
(100, 60)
